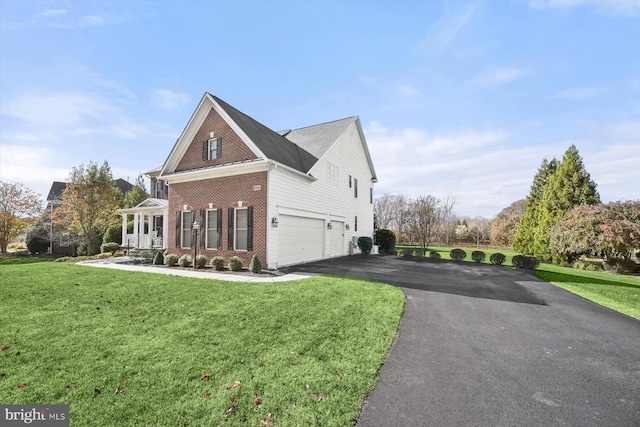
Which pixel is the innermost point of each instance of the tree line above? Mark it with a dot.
(88, 209)
(562, 220)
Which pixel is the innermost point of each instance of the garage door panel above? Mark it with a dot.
(301, 239)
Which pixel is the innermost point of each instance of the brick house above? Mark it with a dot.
(62, 241)
(290, 197)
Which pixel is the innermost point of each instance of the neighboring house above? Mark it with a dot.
(62, 241)
(289, 197)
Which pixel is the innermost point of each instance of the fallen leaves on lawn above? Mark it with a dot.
(235, 385)
(234, 407)
(22, 385)
(205, 377)
(318, 396)
(267, 421)
(120, 391)
(258, 400)
(207, 395)
(97, 390)
(6, 347)
(130, 314)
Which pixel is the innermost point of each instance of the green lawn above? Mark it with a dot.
(616, 291)
(125, 348)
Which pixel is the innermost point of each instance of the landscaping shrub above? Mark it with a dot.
(118, 253)
(158, 259)
(478, 256)
(365, 243)
(434, 255)
(621, 266)
(457, 254)
(497, 258)
(37, 240)
(523, 261)
(201, 261)
(407, 252)
(235, 263)
(588, 265)
(386, 241)
(170, 260)
(104, 255)
(110, 247)
(184, 261)
(95, 246)
(217, 262)
(113, 234)
(254, 265)
(419, 253)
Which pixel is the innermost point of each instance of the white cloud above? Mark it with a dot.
(496, 76)
(53, 12)
(486, 170)
(407, 91)
(578, 93)
(166, 99)
(445, 30)
(31, 165)
(606, 7)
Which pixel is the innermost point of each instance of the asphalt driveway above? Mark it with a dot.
(482, 345)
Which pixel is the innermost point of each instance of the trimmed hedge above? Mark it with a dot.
(158, 259)
(110, 247)
(523, 261)
(201, 261)
(434, 255)
(478, 256)
(497, 258)
(255, 266)
(365, 243)
(217, 262)
(386, 241)
(170, 260)
(235, 263)
(184, 261)
(457, 254)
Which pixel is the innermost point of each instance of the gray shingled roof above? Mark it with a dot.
(57, 188)
(318, 139)
(273, 145)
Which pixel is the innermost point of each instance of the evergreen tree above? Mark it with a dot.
(568, 187)
(524, 238)
(137, 194)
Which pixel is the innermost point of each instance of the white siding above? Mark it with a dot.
(332, 201)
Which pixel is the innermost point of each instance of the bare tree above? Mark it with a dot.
(447, 227)
(384, 210)
(426, 218)
(480, 229)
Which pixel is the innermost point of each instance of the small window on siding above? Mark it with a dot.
(355, 187)
(355, 224)
(371, 195)
(350, 181)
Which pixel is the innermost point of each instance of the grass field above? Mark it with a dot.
(616, 291)
(126, 348)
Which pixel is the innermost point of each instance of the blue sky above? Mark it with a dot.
(461, 98)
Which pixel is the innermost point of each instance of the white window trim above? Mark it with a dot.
(210, 149)
(235, 229)
(183, 229)
(207, 228)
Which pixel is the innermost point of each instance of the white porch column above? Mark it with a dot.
(124, 229)
(136, 224)
(165, 230)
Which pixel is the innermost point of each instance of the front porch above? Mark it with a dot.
(150, 220)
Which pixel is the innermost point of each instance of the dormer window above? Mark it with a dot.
(211, 149)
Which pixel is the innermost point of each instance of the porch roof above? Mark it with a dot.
(150, 204)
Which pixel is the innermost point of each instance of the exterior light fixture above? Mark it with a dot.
(329, 226)
(274, 222)
(346, 226)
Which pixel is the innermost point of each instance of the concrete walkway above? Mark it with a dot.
(199, 274)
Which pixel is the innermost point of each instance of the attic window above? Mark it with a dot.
(211, 149)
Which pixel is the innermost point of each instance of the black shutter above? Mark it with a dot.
(205, 150)
(219, 228)
(230, 229)
(178, 217)
(219, 148)
(250, 228)
(203, 228)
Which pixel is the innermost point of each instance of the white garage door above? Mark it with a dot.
(336, 239)
(301, 239)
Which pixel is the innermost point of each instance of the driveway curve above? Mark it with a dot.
(482, 345)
